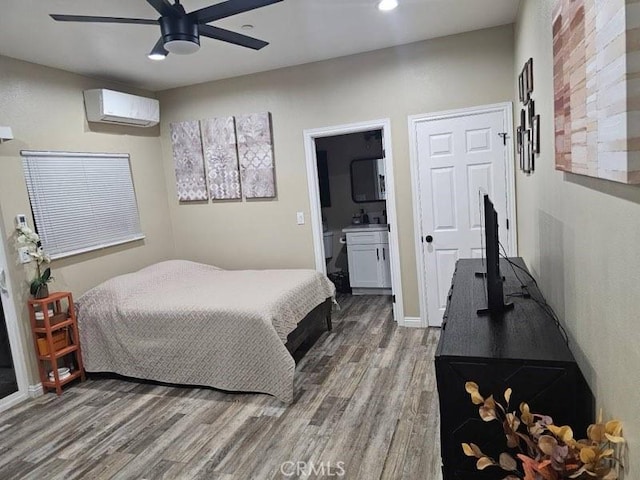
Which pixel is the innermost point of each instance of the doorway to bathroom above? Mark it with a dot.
(351, 181)
(353, 214)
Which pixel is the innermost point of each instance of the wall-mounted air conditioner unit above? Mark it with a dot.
(108, 106)
(6, 134)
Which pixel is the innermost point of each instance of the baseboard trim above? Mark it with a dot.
(35, 390)
(371, 291)
(413, 322)
(14, 399)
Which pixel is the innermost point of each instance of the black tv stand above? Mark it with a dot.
(484, 274)
(524, 350)
(497, 311)
(487, 312)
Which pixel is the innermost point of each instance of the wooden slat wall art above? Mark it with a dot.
(221, 158)
(596, 91)
(188, 161)
(255, 150)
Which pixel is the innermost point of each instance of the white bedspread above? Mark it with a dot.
(188, 323)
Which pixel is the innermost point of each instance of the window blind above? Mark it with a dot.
(81, 201)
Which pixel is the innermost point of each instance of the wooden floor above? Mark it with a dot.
(366, 396)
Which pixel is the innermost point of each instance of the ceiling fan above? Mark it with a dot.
(181, 31)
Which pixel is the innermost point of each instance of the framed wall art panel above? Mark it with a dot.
(188, 161)
(221, 158)
(255, 150)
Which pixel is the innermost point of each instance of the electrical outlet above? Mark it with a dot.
(300, 217)
(23, 254)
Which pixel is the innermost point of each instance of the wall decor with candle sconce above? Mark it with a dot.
(528, 132)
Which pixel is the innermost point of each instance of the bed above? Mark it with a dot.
(187, 323)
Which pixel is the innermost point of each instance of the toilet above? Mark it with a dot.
(328, 245)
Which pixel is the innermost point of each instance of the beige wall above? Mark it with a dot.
(580, 237)
(341, 150)
(453, 72)
(46, 111)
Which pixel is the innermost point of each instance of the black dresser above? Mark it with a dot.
(523, 350)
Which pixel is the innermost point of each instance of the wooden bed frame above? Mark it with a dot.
(309, 329)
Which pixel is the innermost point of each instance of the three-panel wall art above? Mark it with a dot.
(224, 158)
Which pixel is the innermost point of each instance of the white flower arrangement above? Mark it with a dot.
(30, 239)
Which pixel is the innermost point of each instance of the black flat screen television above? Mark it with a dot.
(492, 277)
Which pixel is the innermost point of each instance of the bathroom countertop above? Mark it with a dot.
(367, 227)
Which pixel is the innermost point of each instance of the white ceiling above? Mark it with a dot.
(299, 31)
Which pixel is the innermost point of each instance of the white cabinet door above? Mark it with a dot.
(385, 267)
(364, 270)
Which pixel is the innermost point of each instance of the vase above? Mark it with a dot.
(42, 291)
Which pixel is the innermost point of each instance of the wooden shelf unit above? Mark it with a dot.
(58, 315)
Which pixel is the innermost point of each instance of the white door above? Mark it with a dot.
(459, 158)
(364, 270)
(13, 382)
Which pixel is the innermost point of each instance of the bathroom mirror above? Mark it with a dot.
(367, 180)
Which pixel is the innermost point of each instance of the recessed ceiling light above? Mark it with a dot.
(247, 27)
(156, 56)
(387, 5)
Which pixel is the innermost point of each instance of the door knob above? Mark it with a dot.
(428, 239)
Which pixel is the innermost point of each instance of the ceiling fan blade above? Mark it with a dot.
(84, 18)
(231, 37)
(158, 49)
(228, 8)
(164, 8)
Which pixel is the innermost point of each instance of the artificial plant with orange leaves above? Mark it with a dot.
(546, 451)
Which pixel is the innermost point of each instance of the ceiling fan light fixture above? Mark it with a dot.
(387, 5)
(182, 47)
(181, 31)
(180, 35)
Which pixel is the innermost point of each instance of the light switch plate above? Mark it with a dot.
(300, 218)
(21, 220)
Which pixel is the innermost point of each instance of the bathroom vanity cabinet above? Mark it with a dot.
(368, 257)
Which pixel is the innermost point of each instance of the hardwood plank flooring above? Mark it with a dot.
(366, 403)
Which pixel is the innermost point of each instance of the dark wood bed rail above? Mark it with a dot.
(309, 330)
